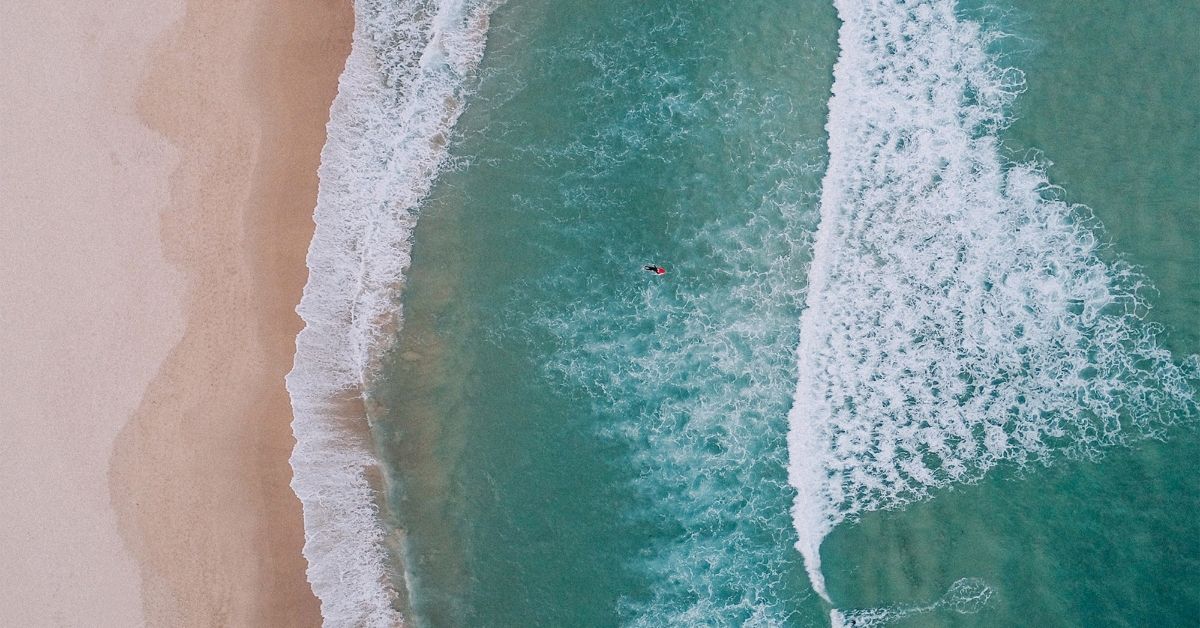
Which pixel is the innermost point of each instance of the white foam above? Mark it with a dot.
(402, 90)
(957, 314)
(967, 596)
(690, 378)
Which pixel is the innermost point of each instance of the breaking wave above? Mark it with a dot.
(409, 71)
(959, 314)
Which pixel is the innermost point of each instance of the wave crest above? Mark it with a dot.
(958, 314)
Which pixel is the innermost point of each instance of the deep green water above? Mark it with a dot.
(572, 442)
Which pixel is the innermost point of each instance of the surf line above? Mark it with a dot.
(958, 314)
(411, 68)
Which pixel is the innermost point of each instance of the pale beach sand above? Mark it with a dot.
(157, 180)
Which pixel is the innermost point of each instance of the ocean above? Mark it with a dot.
(924, 353)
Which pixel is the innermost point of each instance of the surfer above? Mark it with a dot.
(657, 270)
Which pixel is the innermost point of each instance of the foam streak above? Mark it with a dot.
(402, 90)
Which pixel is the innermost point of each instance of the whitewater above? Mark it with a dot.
(410, 69)
(959, 315)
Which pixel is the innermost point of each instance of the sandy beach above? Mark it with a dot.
(157, 181)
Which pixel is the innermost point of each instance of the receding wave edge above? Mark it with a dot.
(410, 69)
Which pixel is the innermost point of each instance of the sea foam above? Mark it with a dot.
(958, 313)
(689, 376)
(409, 71)
(967, 596)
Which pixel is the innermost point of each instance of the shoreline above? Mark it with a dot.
(199, 476)
(404, 85)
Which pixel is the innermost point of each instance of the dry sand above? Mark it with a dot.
(157, 180)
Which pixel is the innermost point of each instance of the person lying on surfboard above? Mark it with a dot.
(657, 270)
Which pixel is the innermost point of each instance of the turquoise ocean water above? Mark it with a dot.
(896, 374)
